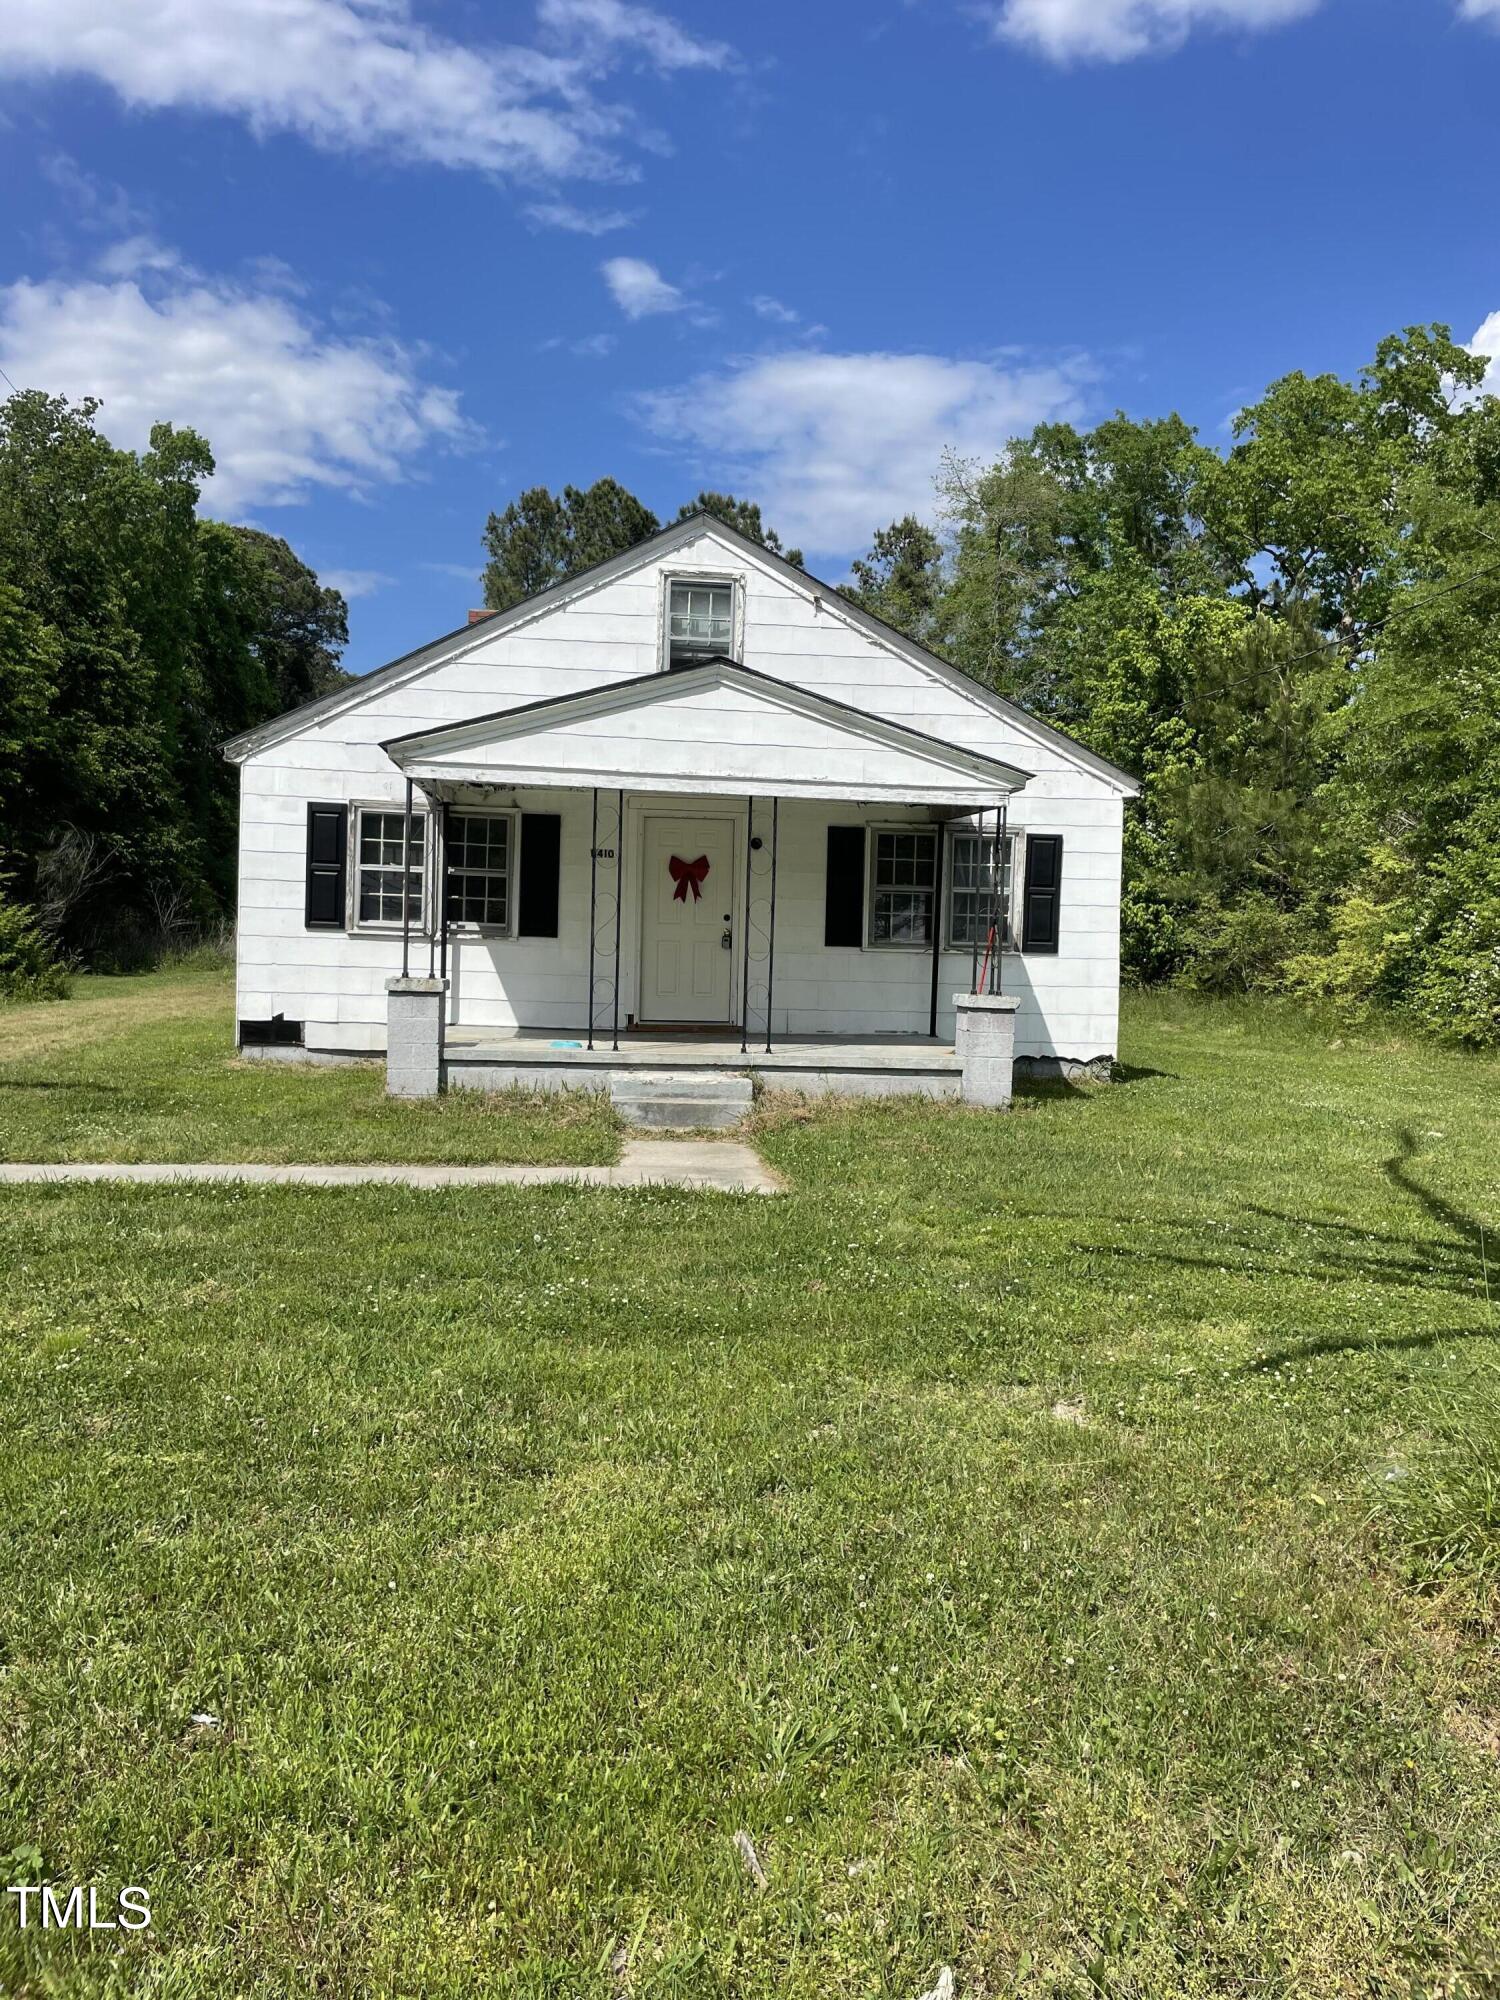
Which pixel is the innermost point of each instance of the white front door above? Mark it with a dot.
(687, 921)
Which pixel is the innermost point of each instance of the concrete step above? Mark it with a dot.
(681, 1103)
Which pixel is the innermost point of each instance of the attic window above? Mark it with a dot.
(700, 622)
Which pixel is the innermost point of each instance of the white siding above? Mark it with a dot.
(335, 982)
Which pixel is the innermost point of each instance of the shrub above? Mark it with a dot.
(1371, 941)
(1454, 988)
(29, 969)
(1242, 947)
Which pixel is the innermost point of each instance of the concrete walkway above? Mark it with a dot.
(727, 1165)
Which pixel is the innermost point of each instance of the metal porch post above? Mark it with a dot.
(745, 928)
(443, 891)
(406, 887)
(771, 947)
(619, 903)
(995, 866)
(593, 904)
(937, 930)
(975, 941)
(431, 859)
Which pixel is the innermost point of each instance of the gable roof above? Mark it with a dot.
(466, 637)
(736, 731)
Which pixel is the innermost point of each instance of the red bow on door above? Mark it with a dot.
(688, 875)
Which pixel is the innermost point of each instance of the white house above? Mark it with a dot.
(694, 797)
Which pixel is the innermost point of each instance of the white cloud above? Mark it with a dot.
(834, 446)
(768, 308)
(581, 221)
(1487, 339)
(619, 24)
(639, 289)
(285, 406)
(352, 583)
(1479, 10)
(135, 254)
(362, 75)
(1115, 30)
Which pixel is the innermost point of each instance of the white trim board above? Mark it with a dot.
(719, 728)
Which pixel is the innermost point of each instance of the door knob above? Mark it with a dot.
(725, 940)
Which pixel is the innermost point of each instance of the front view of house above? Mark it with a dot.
(692, 795)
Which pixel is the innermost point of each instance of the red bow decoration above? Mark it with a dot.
(688, 875)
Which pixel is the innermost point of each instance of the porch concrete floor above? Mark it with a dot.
(678, 1052)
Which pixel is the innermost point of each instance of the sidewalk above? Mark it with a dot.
(722, 1164)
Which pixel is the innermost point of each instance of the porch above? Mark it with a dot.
(863, 1066)
(762, 868)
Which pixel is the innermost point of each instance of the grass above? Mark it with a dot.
(1051, 1538)
(142, 1067)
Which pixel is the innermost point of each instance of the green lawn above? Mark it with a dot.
(144, 1068)
(1066, 1543)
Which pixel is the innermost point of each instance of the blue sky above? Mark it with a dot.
(399, 261)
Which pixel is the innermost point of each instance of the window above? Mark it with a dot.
(700, 621)
(972, 887)
(479, 869)
(382, 837)
(903, 885)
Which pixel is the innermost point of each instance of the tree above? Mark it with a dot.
(99, 545)
(901, 579)
(1059, 508)
(1417, 923)
(541, 540)
(1312, 495)
(296, 627)
(134, 637)
(744, 516)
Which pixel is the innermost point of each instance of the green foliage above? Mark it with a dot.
(1241, 947)
(1366, 954)
(743, 515)
(1454, 984)
(134, 637)
(901, 579)
(29, 969)
(542, 538)
(1295, 646)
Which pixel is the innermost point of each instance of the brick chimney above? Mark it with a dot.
(478, 617)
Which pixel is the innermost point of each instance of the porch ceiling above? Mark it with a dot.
(718, 729)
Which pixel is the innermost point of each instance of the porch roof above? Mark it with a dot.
(715, 729)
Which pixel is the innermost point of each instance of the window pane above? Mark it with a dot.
(902, 917)
(382, 848)
(974, 889)
(479, 869)
(905, 860)
(700, 619)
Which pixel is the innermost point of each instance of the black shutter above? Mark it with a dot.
(327, 847)
(541, 858)
(844, 899)
(1042, 903)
